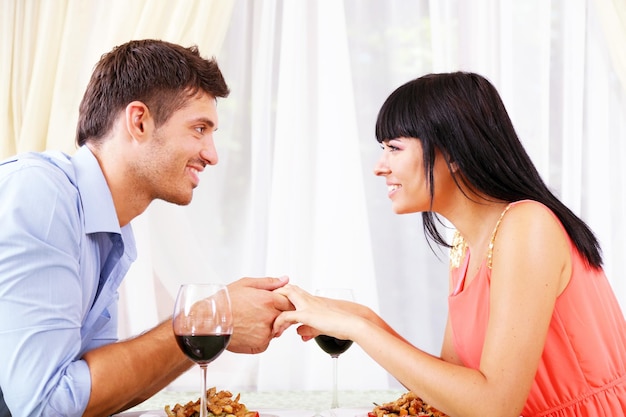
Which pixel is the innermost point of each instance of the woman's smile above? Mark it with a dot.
(392, 188)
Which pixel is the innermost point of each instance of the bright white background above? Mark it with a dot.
(294, 192)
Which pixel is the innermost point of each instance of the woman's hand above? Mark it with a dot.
(317, 315)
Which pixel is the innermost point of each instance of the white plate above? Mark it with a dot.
(341, 412)
(161, 413)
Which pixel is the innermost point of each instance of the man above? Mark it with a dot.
(145, 132)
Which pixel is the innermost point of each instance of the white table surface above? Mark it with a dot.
(277, 403)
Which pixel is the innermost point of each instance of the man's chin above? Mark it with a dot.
(179, 200)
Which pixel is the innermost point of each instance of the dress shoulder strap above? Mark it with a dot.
(459, 246)
(493, 236)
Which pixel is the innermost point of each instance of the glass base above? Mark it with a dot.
(331, 412)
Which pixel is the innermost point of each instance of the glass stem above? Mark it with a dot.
(203, 409)
(335, 401)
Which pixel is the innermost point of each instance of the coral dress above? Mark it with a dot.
(582, 371)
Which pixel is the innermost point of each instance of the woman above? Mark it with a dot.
(533, 325)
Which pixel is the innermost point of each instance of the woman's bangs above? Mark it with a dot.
(398, 116)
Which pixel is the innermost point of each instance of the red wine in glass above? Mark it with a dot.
(202, 324)
(332, 345)
(203, 348)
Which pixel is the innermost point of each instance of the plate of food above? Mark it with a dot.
(408, 405)
(219, 404)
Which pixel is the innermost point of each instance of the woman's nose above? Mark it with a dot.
(381, 168)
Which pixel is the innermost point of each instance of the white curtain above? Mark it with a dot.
(294, 192)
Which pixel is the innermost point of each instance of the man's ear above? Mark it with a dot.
(138, 120)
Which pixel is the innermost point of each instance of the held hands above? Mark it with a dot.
(317, 315)
(263, 308)
(255, 306)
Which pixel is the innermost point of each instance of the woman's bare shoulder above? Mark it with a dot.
(532, 238)
(529, 213)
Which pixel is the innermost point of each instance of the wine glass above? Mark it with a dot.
(203, 325)
(331, 345)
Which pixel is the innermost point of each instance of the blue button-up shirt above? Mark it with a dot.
(63, 256)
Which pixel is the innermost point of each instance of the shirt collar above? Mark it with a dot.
(96, 198)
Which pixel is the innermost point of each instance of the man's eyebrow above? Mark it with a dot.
(204, 120)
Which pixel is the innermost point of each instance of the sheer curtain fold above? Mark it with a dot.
(8, 32)
(30, 70)
(572, 93)
(612, 14)
(318, 228)
(263, 53)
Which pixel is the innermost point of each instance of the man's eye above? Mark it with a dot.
(200, 129)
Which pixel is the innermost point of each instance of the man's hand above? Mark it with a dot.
(255, 307)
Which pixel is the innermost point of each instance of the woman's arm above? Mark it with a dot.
(523, 294)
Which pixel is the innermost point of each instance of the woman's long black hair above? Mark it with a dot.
(462, 115)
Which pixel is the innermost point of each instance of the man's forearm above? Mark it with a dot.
(155, 387)
(126, 373)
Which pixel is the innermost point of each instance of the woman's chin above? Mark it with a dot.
(403, 209)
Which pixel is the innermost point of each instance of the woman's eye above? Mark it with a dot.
(387, 145)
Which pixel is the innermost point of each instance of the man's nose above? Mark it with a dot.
(209, 152)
